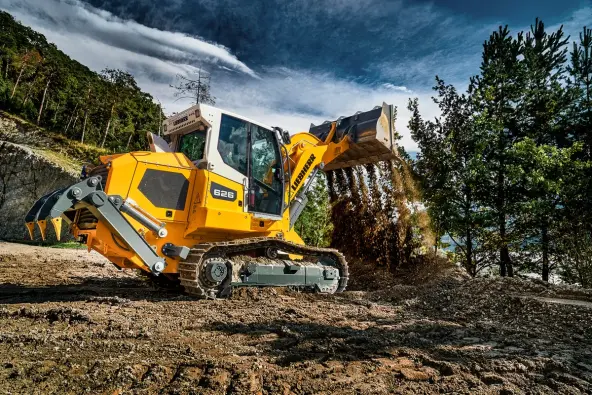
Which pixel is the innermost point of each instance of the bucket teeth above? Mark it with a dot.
(57, 226)
(31, 228)
(42, 224)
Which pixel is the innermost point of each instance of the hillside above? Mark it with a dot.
(32, 163)
(41, 84)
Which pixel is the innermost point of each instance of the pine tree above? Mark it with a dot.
(542, 108)
(451, 169)
(580, 71)
(497, 92)
(314, 225)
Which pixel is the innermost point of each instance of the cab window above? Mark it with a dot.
(193, 145)
(265, 171)
(232, 144)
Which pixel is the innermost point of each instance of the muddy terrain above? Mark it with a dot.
(70, 322)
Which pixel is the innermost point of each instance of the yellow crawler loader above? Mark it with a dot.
(212, 206)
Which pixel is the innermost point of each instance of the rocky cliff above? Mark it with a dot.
(32, 163)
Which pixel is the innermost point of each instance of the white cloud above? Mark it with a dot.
(574, 25)
(74, 18)
(397, 88)
(294, 99)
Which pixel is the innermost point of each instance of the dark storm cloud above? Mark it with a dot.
(406, 42)
(360, 39)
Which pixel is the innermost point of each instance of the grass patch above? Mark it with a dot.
(52, 244)
(69, 245)
(67, 153)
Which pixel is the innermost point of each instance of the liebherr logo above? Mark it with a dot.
(303, 172)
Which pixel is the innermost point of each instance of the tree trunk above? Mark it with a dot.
(502, 228)
(470, 266)
(108, 126)
(57, 109)
(545, 241)
(84, 126)
(28, 94)
(129, 140)
(74, 124)
(43, 101)
(506, 268)
(70, 120)
(17, 81)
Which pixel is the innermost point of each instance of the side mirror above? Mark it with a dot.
(284, 135)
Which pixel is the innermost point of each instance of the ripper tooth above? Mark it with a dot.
(57, 226)
(31, 229)
(42, 228)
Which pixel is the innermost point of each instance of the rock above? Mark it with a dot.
(37, 172)
(491, 379)
(394, 365)
(414, 375)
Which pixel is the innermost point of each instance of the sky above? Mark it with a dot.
(290, 63)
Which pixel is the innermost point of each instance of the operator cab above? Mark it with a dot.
(234, 147)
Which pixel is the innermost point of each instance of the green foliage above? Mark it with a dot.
(506, 168)
(314, 224)
(43, 85)
(452, 170)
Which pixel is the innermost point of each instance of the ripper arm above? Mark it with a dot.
(89, 194)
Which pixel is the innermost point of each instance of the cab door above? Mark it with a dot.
(266, 181)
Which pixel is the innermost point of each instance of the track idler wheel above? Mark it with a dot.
(216, 271)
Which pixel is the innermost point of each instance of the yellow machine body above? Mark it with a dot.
(203, 218)
(214, 177)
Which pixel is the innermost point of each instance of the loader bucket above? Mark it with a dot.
(371, 135)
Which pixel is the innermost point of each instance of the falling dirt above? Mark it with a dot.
(377, 215)
(71, 323)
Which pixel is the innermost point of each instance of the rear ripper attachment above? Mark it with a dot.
(88, 194)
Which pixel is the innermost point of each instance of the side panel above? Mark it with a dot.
(162, 185)
(221, 210)
(198, 201)
(121, 175)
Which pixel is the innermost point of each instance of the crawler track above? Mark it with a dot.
(195, 283)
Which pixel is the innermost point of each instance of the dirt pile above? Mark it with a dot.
(71, 323)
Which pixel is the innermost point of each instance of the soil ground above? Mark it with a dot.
(71, 323)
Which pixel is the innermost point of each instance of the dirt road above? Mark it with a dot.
(71, 323)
